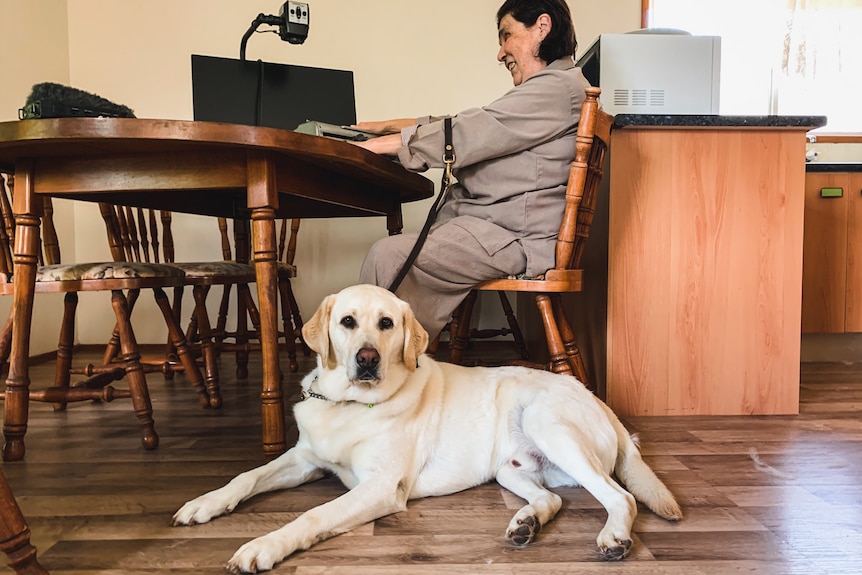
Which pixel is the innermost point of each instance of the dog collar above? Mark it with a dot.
(308, 394)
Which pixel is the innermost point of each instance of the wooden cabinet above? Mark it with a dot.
(832, 253)
(698, 276)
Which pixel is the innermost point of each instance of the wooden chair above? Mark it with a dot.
(593, 139)
(15, 534)
(236, 270)
(115, 277)
(130, 242)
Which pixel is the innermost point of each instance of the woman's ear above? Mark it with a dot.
(545, 24)
(315, 332)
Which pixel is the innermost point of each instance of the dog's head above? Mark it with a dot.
(367, 330)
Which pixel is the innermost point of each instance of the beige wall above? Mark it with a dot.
(409, 58)
(34, 47)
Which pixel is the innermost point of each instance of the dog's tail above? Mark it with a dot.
(640, 480)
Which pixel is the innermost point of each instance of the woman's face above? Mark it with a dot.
(519, 46)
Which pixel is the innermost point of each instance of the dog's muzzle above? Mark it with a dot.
(367, 363)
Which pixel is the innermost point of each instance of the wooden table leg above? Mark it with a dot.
(15, 535)
(394, 220)
(272, 396)
(27, 210)
(263, 199)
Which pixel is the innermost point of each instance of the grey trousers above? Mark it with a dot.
(451, 262)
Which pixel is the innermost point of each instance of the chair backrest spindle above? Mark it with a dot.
(133, 234)
(50, 241)
(154, 237)
(7, 229)
(291, 245)
(584, 178)
(226, 253)
(167, 236)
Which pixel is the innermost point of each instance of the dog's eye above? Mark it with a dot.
(348, 321)
(386, 323)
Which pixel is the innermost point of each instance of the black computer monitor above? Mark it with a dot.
(258, 93)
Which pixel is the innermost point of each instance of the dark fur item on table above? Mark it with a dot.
(50, 100)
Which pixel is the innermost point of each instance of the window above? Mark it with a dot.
(788, 57)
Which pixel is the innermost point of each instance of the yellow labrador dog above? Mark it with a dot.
(395, 425)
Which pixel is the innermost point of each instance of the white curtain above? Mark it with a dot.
(821, 67)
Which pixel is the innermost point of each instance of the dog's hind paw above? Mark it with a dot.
(525, 531)
(616, 552)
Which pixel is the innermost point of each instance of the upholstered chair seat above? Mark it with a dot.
(228, 268)
(106, 270)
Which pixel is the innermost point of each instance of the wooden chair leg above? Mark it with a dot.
(177, 309)
(221, 322)
(514, 327)
(131, 358)
(15, 534)
(297, 320)
(113, 347)
(6, 340)
(287, 323)
(460, 335)
(573, 353)
(207, 398)
(559, 361)
(242, 331)
(63, 365)
(433, 345)
(208, 352)
(252, 312)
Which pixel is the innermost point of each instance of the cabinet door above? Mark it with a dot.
(853, 295)
(824, 253)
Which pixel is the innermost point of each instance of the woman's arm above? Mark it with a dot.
(385, 145)
(386, 126)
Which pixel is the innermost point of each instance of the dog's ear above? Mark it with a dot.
(415, 339)
(315, 332)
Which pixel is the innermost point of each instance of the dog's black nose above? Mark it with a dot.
(367, 358)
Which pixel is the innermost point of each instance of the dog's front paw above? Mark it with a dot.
(203, 509)
(617, 551)
(523, 531)
(257, 555)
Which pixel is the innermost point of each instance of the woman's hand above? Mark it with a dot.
(386, 126)
(385, 145)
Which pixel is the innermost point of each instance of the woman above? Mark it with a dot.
(512, 164)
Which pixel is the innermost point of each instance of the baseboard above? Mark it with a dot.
(829, 347)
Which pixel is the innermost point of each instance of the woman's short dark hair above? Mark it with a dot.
(561, 41)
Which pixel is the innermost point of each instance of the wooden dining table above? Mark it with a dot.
(204, 168)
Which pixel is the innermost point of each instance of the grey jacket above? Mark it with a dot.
(512, 162)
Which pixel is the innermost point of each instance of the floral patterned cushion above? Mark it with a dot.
(211, 269)
(227, 268)
(106, 270)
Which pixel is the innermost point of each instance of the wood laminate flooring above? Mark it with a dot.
(774, 495)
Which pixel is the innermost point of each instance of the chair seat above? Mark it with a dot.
(285, 269)
(105, 271)
(213, 269)
(554, 281)
(232, 269)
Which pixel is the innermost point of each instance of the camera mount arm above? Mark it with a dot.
(292, 22)
(256, 23)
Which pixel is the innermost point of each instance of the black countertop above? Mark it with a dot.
(833, 167)
(716, 121)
